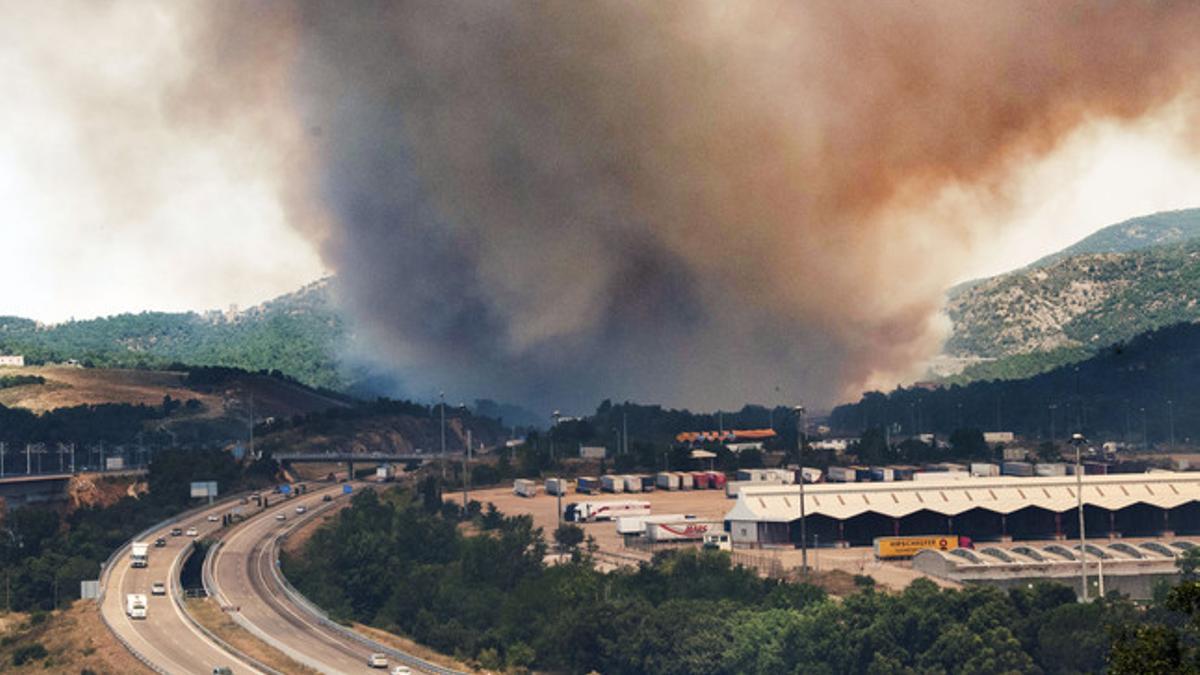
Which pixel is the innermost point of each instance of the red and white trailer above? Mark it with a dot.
(683, 530)
(579, 512)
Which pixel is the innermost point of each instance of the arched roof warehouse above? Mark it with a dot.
(778, 505)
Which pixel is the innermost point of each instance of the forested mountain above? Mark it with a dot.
(298, 334)
(1143, 387)
(1130, 277)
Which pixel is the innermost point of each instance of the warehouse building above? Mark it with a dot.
(999, 508)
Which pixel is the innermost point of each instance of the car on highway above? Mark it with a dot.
(222, 670)
(212, 518)
(327, 498)
(160, 542)
(158, 588)
(193, 532)
(280, 516)
(377, 660)
(176, 531)
(401, 670)
(301, 509)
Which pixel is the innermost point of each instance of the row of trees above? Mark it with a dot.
(44, 555)
(401, 563)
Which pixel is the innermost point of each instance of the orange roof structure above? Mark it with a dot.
(725, 436)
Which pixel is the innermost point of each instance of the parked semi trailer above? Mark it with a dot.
(892, 548)
(579, 512)
(523, 487)
(682, 530)
(636, 525)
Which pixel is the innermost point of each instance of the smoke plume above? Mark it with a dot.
(690, 202)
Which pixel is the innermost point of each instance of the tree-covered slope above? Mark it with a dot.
(299, 334)
(1081, 302)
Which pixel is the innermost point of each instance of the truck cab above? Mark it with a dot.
(718, 541)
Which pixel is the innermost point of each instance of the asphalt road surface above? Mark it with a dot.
(165, 637)
(244, 580)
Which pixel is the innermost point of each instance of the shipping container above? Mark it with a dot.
(557, 486)
(684, 530)
(647, 483)
(523, 487)
(882, 474)
(611, 483)
(632, 483)
(890, 548)
(1016, 469)
(1050, 469)
(685, 481)
(587, 485)
(716, 480)
(592, 511)
(984, 469)
(666, 481)
(700, 481)
(941, 475)
(841, 474)
(636, 525)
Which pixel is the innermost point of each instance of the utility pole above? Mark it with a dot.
(442, 408)
(554, 425)
(1, 460)
(467, 475)
(28, 459)
(1078, 441)
(624, 431)
(801, 425)
(252, 429)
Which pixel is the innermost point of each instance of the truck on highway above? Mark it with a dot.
(139, 554)
(579, 512)
(895, 548)
(523, 487)
(135, 605)
(682, 530)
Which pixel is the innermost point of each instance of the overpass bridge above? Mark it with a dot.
(349, 458)
(44, 487)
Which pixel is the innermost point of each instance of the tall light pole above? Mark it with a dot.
(1078, 440)
(1171, 421)
(801, 426)
(442, 408)
(553, 416)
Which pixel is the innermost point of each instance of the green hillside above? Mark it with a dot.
(298, 334)
(1157, 229)
(1039, 318)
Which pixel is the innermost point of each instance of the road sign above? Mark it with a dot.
(285, 489)
(346, 489)
(203, 489)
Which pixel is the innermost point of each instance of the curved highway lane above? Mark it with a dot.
(166, 637)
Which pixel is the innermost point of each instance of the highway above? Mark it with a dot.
(166, 638)
(243, 572)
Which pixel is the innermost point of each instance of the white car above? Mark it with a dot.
(213, 518)
(193, 532)
(401, 670)
(280, 516)
(377, 661)
(158, 588)
(301, 509)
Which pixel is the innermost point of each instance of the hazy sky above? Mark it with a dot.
(205, 228)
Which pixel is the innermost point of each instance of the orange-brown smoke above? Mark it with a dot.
(694, 202)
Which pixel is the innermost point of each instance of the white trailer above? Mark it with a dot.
(686, 482)
(636, 525)
(523, 487)
(135, 605)
(139, 554)
(682, 530)
(592, 511)
(557, 486)
(667, 481)
(632, 483)
(611, 483)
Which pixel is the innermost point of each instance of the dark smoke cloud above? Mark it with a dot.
(692, 202)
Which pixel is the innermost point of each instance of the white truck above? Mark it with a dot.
(579, 512)
(636, 525)
(135, 605)
(139, 554)
(523, 487)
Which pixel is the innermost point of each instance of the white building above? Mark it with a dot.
(12, 361)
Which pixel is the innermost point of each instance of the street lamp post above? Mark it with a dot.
(1078, 440)
(800, 433)
(442, 409)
